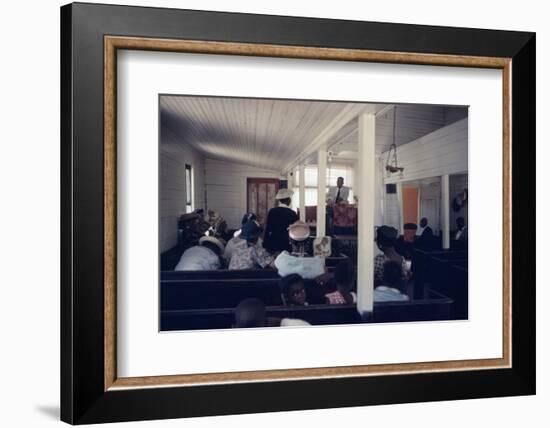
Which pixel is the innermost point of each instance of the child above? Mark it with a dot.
(343, 276)
(294, 290)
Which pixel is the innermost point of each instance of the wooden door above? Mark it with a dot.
(410, 205)
(261, 196)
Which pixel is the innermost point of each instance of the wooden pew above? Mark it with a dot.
(219, 274)
(181, 294)
(178, 294)
(451, 279)
(436, 307)
(224, 317)
(332, 262)
(422, 266)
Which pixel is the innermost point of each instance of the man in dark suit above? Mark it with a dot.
(426, 239)
(278, 219)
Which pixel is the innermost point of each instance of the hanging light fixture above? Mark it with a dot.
(391, 162)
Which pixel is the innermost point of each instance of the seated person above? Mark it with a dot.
(249, 253)
(205, 256)
(405, 244)
(293, 290)
(392, 284)
(385, 240)
(343, 278)
(306, 267)
(236, 239)
(461, 230)
(216, 222)
(251, 313)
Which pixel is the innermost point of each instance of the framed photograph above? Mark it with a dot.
(267, 213)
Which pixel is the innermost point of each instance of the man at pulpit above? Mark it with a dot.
(338, 194)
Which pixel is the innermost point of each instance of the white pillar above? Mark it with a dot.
(302, 196)
(356, 180)
(365, 213)
(289, 180)
(399, 189)
(321, 191)
(445, 212)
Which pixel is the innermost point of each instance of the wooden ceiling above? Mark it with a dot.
(271, 133)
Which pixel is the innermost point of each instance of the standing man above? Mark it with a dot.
(426, 238)
(338, 194)
(278, 219)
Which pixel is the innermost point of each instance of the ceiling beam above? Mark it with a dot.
(350, 112)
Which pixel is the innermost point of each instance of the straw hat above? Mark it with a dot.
(284, 194)
(298, 231)
(213, 240)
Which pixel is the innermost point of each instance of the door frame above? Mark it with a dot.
(267, 180)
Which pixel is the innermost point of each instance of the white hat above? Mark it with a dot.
(213, 240)
(298, 231)
(284, 194)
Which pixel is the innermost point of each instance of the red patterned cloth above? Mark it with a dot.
(336, 298)
(344, 215)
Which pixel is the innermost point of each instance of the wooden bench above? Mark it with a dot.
(422, 265)
(219, 274)
(206, 319)
(181, 294)
(436, 307)
(451, 279)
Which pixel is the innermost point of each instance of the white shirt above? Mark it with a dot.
(333, 192)
(198, 258)
(293, 322)
(388, 294)
(306, 267)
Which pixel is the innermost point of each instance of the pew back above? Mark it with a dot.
(181, 294)
(436, 307)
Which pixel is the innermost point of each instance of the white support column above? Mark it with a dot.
(289, 180)
(356, 180)
(445, 212)
(399, 189)
(365, 213)
(321, 191)
(302, 196)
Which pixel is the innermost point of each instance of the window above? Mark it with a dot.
(310, 175)
(189, 189)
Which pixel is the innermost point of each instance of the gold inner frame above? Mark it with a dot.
(112, 43)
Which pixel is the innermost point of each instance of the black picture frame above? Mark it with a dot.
(83, 396)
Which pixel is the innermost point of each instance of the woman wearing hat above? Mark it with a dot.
(205, 256)
(236, 239)
(249, 253)
(278, 221)
(386, 237)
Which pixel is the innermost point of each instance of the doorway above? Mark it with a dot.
(410, 204)
(261, 196)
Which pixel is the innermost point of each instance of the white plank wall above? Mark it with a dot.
(444, 151)
(174, 154)
(457, 183)
(226, 188)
